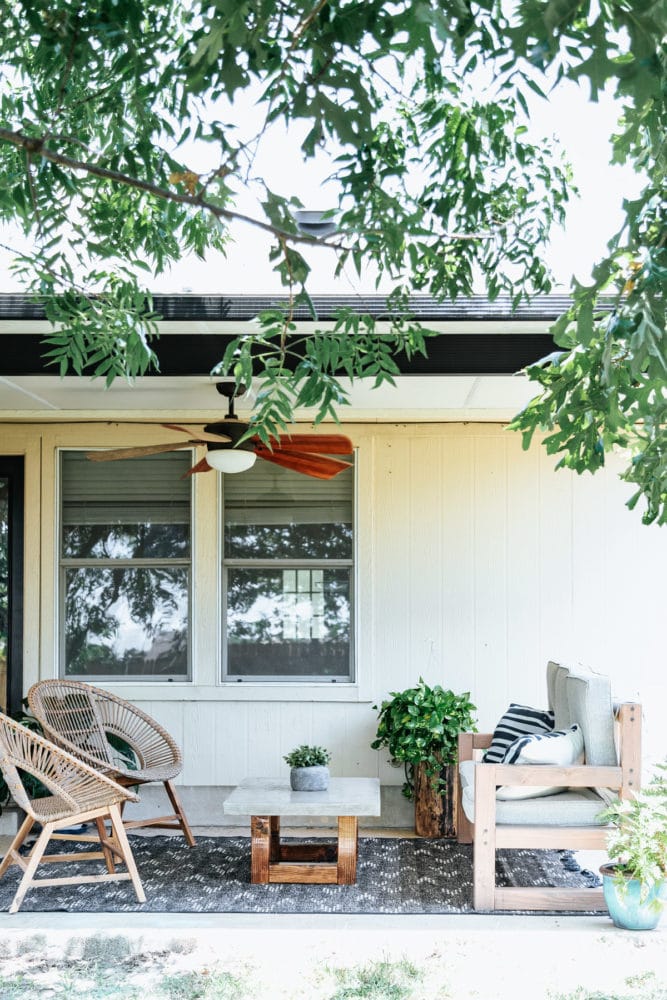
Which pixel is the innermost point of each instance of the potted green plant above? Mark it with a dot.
(420, 727)
(635, 880)
(309, 771)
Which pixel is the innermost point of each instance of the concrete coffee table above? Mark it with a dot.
(265, 800)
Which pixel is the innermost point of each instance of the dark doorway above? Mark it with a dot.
(11, 583)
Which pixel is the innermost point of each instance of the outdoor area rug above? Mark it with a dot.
(394, 875)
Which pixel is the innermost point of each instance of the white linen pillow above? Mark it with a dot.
(560, 748)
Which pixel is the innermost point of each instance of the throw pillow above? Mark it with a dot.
(561, 748)
(518, 720)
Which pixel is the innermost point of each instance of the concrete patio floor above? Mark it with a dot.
(488, 957)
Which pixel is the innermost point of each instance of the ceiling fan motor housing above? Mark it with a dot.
(232, 428)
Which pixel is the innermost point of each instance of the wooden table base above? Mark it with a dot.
(271, 861)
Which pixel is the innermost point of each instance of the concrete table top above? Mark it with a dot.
(274, 797)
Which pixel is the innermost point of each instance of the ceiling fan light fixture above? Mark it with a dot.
(230, 460)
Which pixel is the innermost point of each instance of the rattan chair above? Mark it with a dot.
(78, 794)
(113, 736)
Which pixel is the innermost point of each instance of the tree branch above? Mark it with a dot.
(36, 145)
(305, 24)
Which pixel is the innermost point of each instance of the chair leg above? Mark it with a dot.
(128, 857)
(31, 867)
(178, 809)
(484, 849)
(108, 853)
(26, 827)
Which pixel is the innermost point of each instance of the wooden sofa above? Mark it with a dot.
(568, 820)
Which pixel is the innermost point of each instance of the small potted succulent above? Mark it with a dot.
(635, 880)
(309, 771)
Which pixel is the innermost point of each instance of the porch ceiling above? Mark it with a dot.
(469, 373)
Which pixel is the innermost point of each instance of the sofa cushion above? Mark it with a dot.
(467, 772)
(591, 707)
(518, 720)
(575, 807)
(561, 749)
(557, 676)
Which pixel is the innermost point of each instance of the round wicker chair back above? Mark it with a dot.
(107, 732)
(114, 736)
(76, 785)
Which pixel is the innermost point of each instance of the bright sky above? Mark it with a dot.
(582, 128)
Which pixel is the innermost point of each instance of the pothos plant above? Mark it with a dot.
(421, 725)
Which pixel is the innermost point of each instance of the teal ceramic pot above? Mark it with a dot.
(626, 908)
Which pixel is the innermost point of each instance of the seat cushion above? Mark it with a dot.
(467, 772)
(518, 720)
(574, 807)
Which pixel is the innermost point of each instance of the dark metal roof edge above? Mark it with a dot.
(238, 308)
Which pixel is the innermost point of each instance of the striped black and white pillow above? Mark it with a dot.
(518, 720)
(560, 747)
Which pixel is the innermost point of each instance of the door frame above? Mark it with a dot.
(12, 468)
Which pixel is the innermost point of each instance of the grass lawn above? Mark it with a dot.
(341, 964)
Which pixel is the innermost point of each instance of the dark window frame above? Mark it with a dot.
(12, 468)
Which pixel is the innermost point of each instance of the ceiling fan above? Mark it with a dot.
(308, 454)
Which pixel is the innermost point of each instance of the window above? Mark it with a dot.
(125, 567)
(288, 572)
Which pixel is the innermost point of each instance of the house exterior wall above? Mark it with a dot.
(476, 564)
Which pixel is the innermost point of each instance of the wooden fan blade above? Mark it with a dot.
(198, 433)
(201, 466)
(317, 466)
(318, 444)
(113, 454)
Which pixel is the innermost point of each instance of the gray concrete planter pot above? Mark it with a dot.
(309, 779)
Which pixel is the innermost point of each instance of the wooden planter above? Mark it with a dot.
(435, 814)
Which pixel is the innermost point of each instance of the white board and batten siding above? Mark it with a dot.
(476, 564)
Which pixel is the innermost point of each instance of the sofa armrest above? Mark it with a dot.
(577, 776)
(469, 742)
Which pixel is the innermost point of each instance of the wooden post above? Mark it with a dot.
(435, 813)
(260, 848)
(346, 868)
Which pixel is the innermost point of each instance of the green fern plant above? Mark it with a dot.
(637, 842)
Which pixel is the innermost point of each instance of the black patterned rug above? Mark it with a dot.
(394, 875)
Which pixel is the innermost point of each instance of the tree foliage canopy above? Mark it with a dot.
(110, 107)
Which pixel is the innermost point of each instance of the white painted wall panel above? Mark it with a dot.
(457, 569)
(477, 563)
